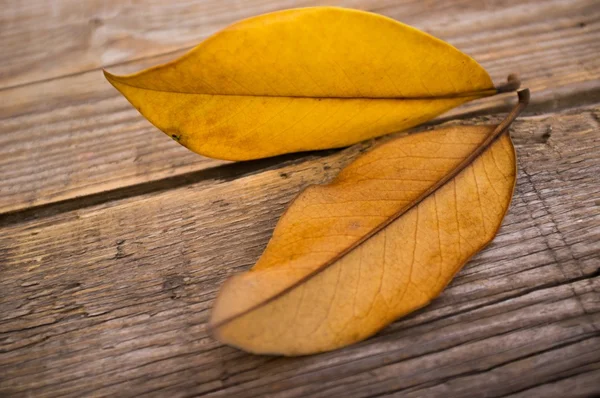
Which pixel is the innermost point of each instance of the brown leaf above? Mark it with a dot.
(380, 241)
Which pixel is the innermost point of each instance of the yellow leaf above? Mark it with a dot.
(303, 79)
(380, 241)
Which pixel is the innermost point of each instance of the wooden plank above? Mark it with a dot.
(43, 39)
(113, 298)
(76, 136)
(87, 35)
(581, 385)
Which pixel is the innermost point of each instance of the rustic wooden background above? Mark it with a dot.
(114, 240)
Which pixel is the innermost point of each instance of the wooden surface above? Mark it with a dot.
(114, 240)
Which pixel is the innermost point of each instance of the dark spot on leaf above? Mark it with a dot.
(284, 175)
(582, 24)
(326, 167)
(210, 121)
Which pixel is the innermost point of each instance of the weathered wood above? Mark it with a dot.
(116, 239)
(43, 39)
(112, 298)
(75, 136)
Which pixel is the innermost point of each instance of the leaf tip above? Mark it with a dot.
(113, 79)
(109, 76)
(117, 82)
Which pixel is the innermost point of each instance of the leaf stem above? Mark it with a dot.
(512, 83)
(498, 131)
(485, 145)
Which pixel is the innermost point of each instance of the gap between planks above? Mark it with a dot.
(116, 299)
(231, 171)
(81, 138)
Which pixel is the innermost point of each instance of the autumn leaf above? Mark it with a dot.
(304, 79)
(380, 241)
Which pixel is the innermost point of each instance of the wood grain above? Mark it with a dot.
(113, 298)
(43, 39)
(74, 136)
(114, 240)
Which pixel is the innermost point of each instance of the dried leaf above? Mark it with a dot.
(303, 79)
(380, 241)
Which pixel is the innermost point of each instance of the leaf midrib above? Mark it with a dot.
(485, 145)
(475, 94)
